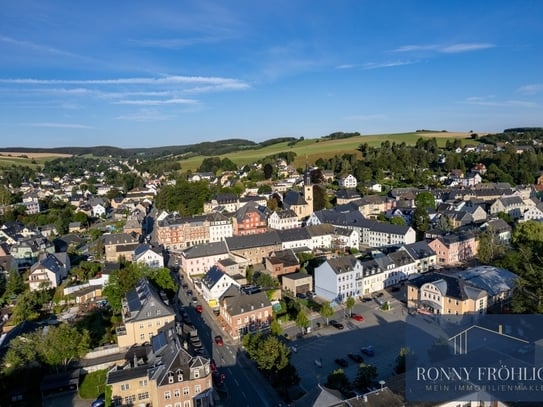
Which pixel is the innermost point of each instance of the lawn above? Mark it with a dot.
(93, 384)
(311, 149)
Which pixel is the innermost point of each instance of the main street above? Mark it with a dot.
(244, 385)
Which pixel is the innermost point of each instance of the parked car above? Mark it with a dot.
(99, 402)
(310, 294)
(366, 299)
(355, 357)
(368, 350)
(199, 309)
(189, 293)
(357, 317)
(336, 324)
(342, 362)
(301, 295)
(218, 340)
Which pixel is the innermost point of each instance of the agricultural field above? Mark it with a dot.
(32, 160)
(311, 149)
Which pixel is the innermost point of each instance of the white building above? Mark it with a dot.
(285, 219)
(348, 181)
(151, 257)
(199, 259)
(338, 278)
(214, 285)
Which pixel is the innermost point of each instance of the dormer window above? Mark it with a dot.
(179, 375)
(196, 373)
(170, 377)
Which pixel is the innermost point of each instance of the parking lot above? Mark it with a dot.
(384, 330)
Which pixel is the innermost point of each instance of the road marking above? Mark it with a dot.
(235, 380)
(243, 394)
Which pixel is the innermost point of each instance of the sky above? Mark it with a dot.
(157, 73)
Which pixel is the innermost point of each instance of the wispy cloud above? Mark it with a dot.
(445, 49)
(37, 47)
(174, 43)
(148, 102)
(379, 65)
(375, 65)
(166, 80)
(531, 89)
(58, 125)
(493, 102)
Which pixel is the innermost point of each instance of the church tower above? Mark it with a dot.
(308, 190)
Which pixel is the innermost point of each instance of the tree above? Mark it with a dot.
(320, 199)
(268, 171)
(26, 308)
(425, 200)
(264, 189)
(15, 284)
(338, 380)
(326, 311)
(400, 360)
(271, 354)
(365, 376)
(302, 321)
(349, 304)
(398, 220)
(22, 352)
(489, 247)
(421, 221)
(62, 344)
(275, 328)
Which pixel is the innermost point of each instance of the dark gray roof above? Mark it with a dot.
(120, 238)
(340, 218)
(292, 235)
(143, 302)
(347, 194)
(449, 284)
(270, 238)
(293, 198)
(296, 276)
(286, 213)
(204, 250)
(243, 303)
(342, 264)
(493, 280)
(419, 250)
(213, 275)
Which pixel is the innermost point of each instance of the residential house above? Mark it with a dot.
(133, 225)
(295, 238)
(197, 260)
(296, 283)
(26, 251)
(336, 278)
(456, 219)
(281, 262)
(445, 294)
(162, 373)
(477, 212)
(220, 226)
(250, 220)
(245, 313)
(344, 196)
(512, 205)
(254, 247)
(283, 219)
(321, 235)
(454, 248)
(49, 271)
(425, 257)
(214, 285)
(48, 230)
(499, 228)
(533, 213)
(143, 313)
(75, 227)
(371, 206)
(348, 181)
(120, 245)
(148, 255)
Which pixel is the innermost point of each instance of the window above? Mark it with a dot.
(143, 396)
(179, 375)
(125, 386)
(197, 389)
(142, 337)
(129, 400)
(186, 403)
(167, 395)
(176, 393)
(186, 391)
(143, 383)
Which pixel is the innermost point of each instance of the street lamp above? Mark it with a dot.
(382, 383)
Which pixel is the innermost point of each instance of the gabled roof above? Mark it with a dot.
(293, 198)
(243, 303)
(270, 238)
(285, 257)
(342, 264)
(205, 250)
(120, 238)
(450, 285)
(419, 250)
(295, 234)
(143, 302)
(286, 214)
(212, 277)
(493, 280)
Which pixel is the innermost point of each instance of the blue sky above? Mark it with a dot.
(148, 73)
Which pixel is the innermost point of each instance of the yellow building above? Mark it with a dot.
(162, 373)
(144, 313)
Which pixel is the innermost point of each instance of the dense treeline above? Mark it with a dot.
(185, 197)
(520, 135)
(340, 135)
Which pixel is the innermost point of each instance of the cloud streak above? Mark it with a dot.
(149, 102)
(531, 89)
(58, 125)
(446, 49)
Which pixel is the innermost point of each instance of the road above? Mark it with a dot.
(244, 385)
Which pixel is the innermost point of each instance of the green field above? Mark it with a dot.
(312, 149)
